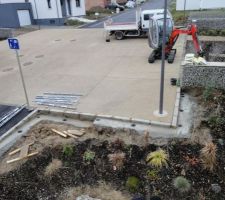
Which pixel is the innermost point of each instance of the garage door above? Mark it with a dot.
(24, 17)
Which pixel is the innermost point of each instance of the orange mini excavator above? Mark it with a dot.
(172, 34)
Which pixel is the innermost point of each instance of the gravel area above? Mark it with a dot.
(213, 19)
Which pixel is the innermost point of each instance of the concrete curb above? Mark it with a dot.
(92, 117)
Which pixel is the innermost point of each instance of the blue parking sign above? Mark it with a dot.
(13, 43)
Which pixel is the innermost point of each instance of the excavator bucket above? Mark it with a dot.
(156, 31)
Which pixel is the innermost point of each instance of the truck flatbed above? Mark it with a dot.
(115, 26)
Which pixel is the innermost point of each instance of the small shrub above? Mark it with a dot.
(208, 93)
(181, 184)
(216, 121)
(208, 156)
(118, 144)
(203, 32)
(53, 167)
(88, 156)
(68, 150)
(222, 32)
(117, 160)
(193, 161)
(98, 9)
(133, 184)
(157, 158)
(212, 32)
(152, 175)
(72, 22)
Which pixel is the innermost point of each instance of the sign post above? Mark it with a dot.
(14, 44)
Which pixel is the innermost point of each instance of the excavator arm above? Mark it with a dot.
(191, 30)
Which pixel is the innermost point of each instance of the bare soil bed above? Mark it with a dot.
(68, 168)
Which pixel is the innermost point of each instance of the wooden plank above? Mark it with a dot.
(17, 150)
(13, 160)
(14, 152)
(32, 154)
(71, 135)
(59, 133)
(76, 132)
(21, 158)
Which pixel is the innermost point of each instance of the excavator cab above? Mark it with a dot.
(156, 31)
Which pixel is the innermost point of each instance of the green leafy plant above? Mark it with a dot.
(68, 150)
(88, 156)
(208, 156)
(157, 158)
(181, 184)
(152, 174)
(133, 184)
(208, 93)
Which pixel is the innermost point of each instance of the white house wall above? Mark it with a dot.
(12, 1)
(44, 12)
(78, 11)
(200, 4)
(206, 4)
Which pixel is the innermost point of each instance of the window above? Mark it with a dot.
(77, 3)
(148, 16)
(49, 3)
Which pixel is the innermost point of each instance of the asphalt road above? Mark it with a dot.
(129, 15)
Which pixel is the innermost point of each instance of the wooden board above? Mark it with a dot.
(59, 133)
(76, 132)
(71, 135)
(23, 153)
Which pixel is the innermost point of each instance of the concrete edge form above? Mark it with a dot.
(154, 131)
(82, 120)
(92, 117)
(176, 109)
(21, 129)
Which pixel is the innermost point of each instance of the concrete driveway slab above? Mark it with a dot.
(115, 78)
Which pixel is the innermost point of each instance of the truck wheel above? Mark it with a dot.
(119, 35)
(151, 58)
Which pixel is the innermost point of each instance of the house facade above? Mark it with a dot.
(54, 12)
(199, 4)
(100, 3)
(17, 13)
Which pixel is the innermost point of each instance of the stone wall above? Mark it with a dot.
(213, 74)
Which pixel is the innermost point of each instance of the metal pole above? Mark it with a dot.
(39, 27)
(22, 78)
(163, 60)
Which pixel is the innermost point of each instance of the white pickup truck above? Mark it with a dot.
(131, 29)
